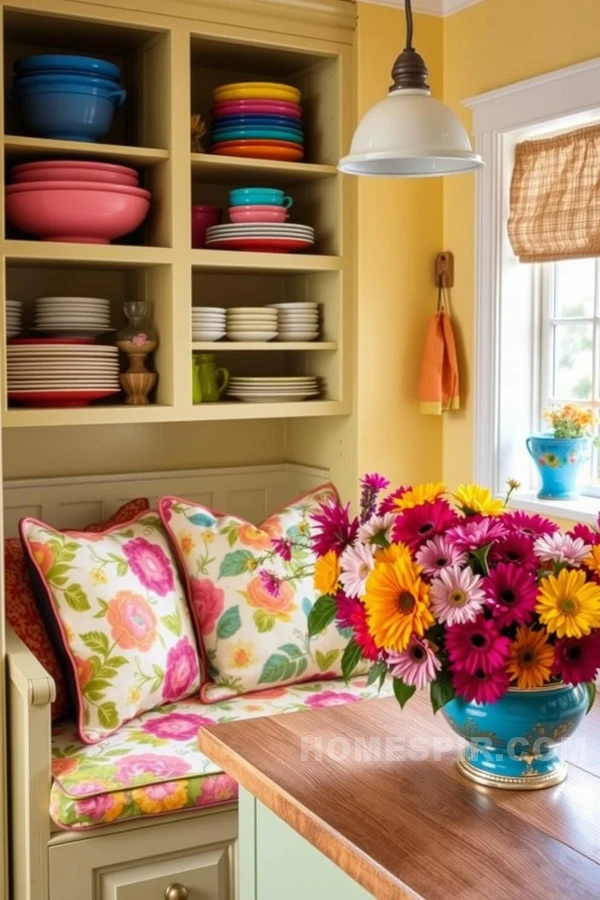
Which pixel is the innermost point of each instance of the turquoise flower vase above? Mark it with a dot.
(514, 743)
(558, 461)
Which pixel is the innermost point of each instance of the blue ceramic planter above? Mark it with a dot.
(558, 461)
(514, 743)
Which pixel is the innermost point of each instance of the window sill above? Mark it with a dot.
(583, 509)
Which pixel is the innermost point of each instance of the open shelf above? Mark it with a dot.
(231, 170)
(42, 252)
(230, 346)
(20, 147)
(263, 262)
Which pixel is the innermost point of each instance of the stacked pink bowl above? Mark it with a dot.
(76, 201)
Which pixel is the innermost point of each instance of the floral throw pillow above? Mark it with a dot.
(249, 598)
(119, 608)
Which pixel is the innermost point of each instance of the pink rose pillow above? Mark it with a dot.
(117, 608)
(248, 600)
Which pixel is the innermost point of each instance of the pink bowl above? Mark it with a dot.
(79, 212)
(75, 170)
(256, 213)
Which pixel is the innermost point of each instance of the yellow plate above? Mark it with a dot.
(257, 90)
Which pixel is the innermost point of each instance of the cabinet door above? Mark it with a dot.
(203, 875)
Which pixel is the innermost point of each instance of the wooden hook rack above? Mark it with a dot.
(444, 270)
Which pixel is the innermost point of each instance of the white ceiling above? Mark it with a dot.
(433, 7)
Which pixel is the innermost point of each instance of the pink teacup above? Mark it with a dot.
(255, 213)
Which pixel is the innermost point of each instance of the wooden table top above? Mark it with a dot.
(414, 827)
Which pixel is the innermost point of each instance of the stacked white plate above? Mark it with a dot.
(297, 321)
(208, 323)
(267, 237)
(284, 389)
(248, 323)
(14, 315)
(72, 316)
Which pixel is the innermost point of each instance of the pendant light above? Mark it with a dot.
(410, 134)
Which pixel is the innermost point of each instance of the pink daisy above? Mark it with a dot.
(481, 687)
(476, 533)
(437, 554)
(356, 563)
(515, 548)
(388, 504)
(562, 548)
(416, 525)
(377, 530)
(417, 665)
(270, 582)
(346, 607)
(533, 525)
(283, 548)
(334, 529)
(477, 645)
(512, 593)
(456, 596)
(577, 660)
(586, 533)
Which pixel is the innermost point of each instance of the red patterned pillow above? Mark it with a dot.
(21, 609)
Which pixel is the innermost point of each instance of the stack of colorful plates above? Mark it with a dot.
(61, 373)
(208, 323)
(246, 323)
(72, 316)
(258, 119)
(273, 390)
(275, 237)
(297, 321)
(14, 315)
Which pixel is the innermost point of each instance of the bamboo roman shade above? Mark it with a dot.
(555, 197)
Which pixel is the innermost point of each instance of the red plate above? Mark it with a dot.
(59, 399)
(54, 340)
(261, 245)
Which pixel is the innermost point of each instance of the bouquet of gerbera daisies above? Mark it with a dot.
(457, 593)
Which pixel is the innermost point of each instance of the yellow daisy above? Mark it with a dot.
(568, 605)
(420, 494)
(241, 655)
(393, 553)
(593, 560)
(531, 658)
(327, 573)
(397, 604)
(476, 500)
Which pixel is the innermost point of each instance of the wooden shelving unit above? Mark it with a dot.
(275, 346)
(230, 170)
(24, 147)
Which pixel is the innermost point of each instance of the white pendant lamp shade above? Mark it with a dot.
(409, 134)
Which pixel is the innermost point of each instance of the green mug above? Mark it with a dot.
(208, 381)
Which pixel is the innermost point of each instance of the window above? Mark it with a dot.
(569, 351)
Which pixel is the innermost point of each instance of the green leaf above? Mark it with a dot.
(71, 547)
(60, 581)
(350, 659)
(159, 676)
(326, 660)
(321, 615)
(107, 714)
(290, 671)
(76, 598)
(591, 689)
(229, 623)
(274, 669)
(235, 563)
(122, 568)
(302, 666)
(481, 557)
(97, 642)
(377, 672)
(118, 661)
(441, 691)
(292, 650)
(403, 692)
(173, 622)
(58, 570)
(96, 684)
(263, 621)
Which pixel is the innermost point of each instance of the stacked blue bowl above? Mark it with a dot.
(67, 97)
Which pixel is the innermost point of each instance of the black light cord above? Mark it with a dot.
(409, 24)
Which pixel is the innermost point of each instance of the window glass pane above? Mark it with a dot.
(575, 288)
(573, 361)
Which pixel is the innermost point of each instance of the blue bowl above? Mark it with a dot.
(260, 196)
(243, 134)
(286, 122)
(50, 79)
(70, 114)
(64, 62)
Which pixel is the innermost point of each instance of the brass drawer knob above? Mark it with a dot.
(176, 892)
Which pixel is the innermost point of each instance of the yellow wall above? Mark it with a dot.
(487, 46)
(399, 235)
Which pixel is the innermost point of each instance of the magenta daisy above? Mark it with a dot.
(388, 504)
(515, 548)
(270, 582)
(586, 533)
(335, 531)
(511, 591)
(437, 554)
(356, 563)
(283, 548)
(346, 609)
(477, 645)
(418, 665)
(577, 660)
(476, 533)
(562, 548)
(419, 523)
(481, 687)
(378, 530)
(525, 523)
(456, 596)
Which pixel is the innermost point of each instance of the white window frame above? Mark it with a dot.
(561, 100)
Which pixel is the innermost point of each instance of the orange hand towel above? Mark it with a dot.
(438, 390)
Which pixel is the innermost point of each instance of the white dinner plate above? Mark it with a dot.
(208, 335)
(298, 336)
(251, 335)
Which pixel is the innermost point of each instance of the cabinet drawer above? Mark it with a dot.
(204, 875)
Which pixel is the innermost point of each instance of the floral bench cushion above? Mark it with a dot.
(153, 766)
